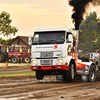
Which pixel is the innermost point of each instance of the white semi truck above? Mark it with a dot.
(54, 52)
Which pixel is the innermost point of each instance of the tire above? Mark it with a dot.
(39, 75)
(71, 73)
(1, 57)
(27, 59)
(92, 75)
(14, 59)
(59, 77)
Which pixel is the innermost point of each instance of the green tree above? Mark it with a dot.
(3, 42)
(5, 25)
(89, 36)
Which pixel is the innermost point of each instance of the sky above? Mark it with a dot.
(28, 15)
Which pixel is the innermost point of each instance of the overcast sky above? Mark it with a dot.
(28, 15)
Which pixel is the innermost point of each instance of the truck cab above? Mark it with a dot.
(51, 50)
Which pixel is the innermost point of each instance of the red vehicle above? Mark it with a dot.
(17, 53)
(3, 53)
(26, 54)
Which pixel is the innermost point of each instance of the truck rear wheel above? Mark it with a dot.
(70, 74)
(84, 78)
(27, 59)
(61, 77)
(39, 75)
(14, 59)
(91, 77)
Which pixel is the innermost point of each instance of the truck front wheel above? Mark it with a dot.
(39, 75)
(92, 75)
(70, 74)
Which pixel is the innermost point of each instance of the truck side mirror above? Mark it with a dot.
(70, 38)
(29, 40)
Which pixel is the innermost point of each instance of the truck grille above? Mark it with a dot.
(46, 62)
(46, 54)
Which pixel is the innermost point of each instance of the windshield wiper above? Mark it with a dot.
(61, 40)
(40, 41)
(56, 41)
(52, 41)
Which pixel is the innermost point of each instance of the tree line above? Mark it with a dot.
(6, 29)
(89, 33)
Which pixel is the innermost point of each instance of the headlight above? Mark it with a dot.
(60, 60)
(34, 61)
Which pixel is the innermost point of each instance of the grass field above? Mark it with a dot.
(14, 64)
(17, 74)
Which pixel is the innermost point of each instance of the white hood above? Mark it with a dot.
(54, 50)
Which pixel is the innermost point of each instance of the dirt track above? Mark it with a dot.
(28, 88)
(15, 69)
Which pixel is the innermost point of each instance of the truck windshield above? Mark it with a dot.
(49, 37)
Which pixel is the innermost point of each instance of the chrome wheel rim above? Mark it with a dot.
(92, 74)
(72, 71)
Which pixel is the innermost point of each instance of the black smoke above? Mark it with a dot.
(79, 9)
